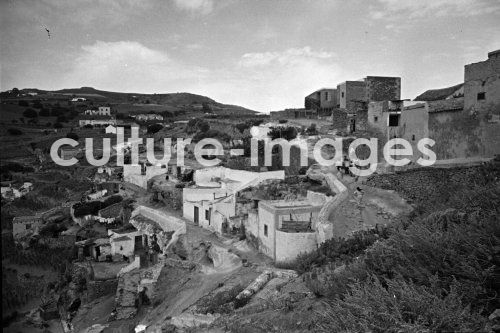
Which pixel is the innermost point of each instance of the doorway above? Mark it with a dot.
(196, 215)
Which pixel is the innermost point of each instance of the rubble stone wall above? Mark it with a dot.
(423, 184)
(98, 288)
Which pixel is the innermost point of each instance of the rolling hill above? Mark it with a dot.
(169, 101)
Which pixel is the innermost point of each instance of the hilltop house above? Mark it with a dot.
(148, 117)
(110, 129)
(101, 111)
(463, 120)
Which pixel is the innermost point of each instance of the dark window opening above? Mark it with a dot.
(413, 137)
(342, 94)
(265, 230)
(481, 96)
(394, 120)
(207, 215)
(28, 226)
(375, 119)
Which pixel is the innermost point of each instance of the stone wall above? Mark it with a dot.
(96, 289)
(381, 88)
(434, 184)
(339, 119)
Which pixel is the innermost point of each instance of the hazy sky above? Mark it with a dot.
(264, 55)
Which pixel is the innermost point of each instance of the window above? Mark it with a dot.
(28, 226)
(342, 94)
(265, 230)
(413, 137)
(394, 120)
(375, 119)
(481, 96)
(326, 96)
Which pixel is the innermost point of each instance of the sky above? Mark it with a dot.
(261, 54)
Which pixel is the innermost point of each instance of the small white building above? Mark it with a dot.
(78, 99)
(110, 129)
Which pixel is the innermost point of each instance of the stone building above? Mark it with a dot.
(140, 174)
(324, 98)
(286, 228)
(25, 225)
(382, 88)
(101, 111)
(350, 91)
(213, 202)
(464, 126)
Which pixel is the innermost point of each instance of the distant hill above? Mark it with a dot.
(169, 101)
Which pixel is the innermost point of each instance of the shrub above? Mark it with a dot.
(30, 113)
(44, 112)
(58, 125)
(311, 130)
(152, 129)
(72, 135)
(397, 305)
(287, 133)
(15, 131)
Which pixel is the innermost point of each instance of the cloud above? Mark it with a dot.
(130, 66)
(275, 80)
(437, 8)
(287, 57)
(79, 12)
(195, 6)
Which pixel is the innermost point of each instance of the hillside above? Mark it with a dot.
(169, 101)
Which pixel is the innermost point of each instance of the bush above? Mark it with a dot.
(58, 125)
(30, 113)
(88, 126)
(311, 130)
(397, 305)
(197, 125)
(72, 135)
(15, 131)
(288, 133)
(44, 112)
(152, 129)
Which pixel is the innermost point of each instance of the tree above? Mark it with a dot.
(44, 112)
(30, 113)
(62, 119)
(206, 107)
(15, 131)
(23, 103)
(152, 129)
(287, 133)
(73, 136)
(311, 130)
(58, 125)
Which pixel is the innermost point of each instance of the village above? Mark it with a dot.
(168, 247)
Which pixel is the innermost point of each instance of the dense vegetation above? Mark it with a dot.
(432, 271)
